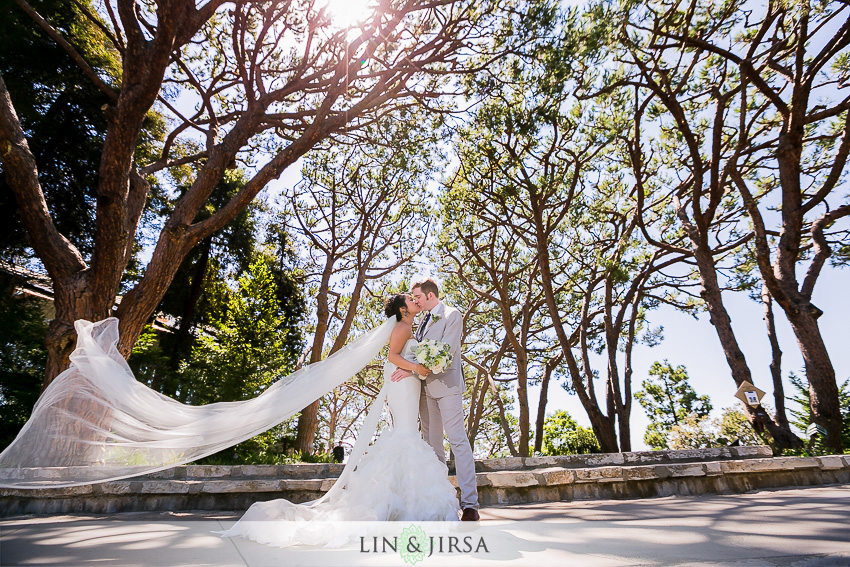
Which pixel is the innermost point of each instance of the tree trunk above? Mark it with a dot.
(506, 427)
(823, 389)
(59, 342)
(541, 408)
(476, 408)
(603, 428)
(334, 410)
(796, 303)
(307, 420)
(775, 359)
(783, 437)
(719, 317)
(522, 400)
(625, 411)
(72, 301)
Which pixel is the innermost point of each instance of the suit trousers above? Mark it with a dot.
(446, 413)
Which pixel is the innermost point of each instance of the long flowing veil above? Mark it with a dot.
(308, 522)
(95, 422)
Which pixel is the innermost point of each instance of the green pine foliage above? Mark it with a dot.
(801, 417)
(245, 347)
(563, 436)
(703, 432)
(668, 399)
(22, 359)
(244, 352)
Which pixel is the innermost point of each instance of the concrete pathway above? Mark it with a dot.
(803, 527)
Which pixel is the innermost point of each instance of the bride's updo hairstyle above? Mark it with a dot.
(394, 305)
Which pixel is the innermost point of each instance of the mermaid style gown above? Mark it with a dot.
(399, 478)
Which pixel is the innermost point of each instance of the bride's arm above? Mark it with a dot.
(397, 341)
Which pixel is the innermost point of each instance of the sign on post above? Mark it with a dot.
(816, 429)
(749, 394)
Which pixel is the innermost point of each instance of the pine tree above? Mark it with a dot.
(801, 418)
(669, 400)
(563, 436)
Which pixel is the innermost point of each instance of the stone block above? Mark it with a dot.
(8, 473)
(208, 471)
(599, 474)
(319, 470)
(644, 457)
(164, 487)
(640, 473)
(117, 487)
(259, 471)
(796, 462)
(292, 471)
(683, 470)
(555, 476)
(313, 484)
(733, 467)
(537, 462)
(713, 469)
(307, 470)
(47, 473)
(504, 464)
(172, 473)
(480, 480)
(227, 486)
(831, 462)
(696, 454)
(511, 479)
(750, 452)
(49, 493)
(768, 465)
(603, 459)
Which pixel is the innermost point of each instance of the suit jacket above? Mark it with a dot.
(446, 325)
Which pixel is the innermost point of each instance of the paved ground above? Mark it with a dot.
(796, 527)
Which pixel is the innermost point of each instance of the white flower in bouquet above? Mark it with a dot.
(435, 355)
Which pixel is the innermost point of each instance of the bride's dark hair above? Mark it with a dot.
(394, 305)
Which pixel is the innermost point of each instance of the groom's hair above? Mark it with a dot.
(427, 286)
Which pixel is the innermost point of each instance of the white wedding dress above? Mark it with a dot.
(397, 478)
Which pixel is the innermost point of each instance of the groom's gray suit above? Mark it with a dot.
(441, 402)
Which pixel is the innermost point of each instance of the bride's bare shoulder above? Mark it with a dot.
(402, 329)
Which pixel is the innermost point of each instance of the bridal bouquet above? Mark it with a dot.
(433, 354)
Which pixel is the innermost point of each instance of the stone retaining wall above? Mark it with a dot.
(500, 481)
(643, 481)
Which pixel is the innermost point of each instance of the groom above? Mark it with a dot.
(441, 402)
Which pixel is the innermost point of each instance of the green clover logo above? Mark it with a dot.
(413, 545)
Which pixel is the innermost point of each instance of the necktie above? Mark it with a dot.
(420, 332)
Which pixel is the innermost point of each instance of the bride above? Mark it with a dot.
(96, 423)
(398, 478)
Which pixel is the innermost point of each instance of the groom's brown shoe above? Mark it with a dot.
(470, 515)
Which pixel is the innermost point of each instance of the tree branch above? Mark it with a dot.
(60, 257)
(822, 248)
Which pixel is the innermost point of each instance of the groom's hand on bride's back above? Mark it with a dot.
(400, 374)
